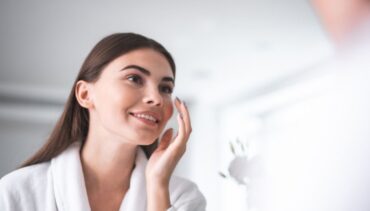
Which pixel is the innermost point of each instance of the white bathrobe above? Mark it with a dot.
(59, 185)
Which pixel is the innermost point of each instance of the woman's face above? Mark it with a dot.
(132, 98)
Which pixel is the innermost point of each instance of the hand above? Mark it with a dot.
(165, 158)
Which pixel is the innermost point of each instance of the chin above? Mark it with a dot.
(145, 141)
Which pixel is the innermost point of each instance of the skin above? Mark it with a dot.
(108, 155)
(341, 17)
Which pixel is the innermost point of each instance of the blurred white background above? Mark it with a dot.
(254, 70)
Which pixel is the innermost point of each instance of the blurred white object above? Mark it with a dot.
(319, 149)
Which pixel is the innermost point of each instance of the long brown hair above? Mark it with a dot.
(73, 124)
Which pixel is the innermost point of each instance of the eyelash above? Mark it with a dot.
(165, 89)
(136, 77)
(168, 88)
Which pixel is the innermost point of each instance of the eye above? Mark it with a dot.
(135, 79)
(166, 89)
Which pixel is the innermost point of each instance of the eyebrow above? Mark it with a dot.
(147, 72)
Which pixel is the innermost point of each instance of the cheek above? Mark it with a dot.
(113, 98)
(169, 108)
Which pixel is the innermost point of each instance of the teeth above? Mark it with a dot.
(144, 116)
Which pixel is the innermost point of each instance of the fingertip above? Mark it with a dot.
(177, 101)
(168, 132)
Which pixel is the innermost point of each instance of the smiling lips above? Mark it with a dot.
(150, 118)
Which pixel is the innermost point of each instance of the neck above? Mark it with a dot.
(107, 165)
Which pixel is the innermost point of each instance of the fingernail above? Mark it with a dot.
(185, 104)
(180, 115)
(178, 100)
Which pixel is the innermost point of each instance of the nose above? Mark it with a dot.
(153, 97)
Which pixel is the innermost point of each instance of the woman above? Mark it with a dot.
(103, 153)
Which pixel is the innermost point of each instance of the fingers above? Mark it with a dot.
(183, 119)
(166, 139)
(186, 118)
(181, 132)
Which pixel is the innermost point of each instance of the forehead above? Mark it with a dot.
(149, 59)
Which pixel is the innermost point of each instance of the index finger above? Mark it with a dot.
(184, 112)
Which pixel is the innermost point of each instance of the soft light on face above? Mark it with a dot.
(132, 97)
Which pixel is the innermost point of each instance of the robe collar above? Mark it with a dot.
(69, 183)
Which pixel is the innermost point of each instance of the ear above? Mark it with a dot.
(83, 93)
